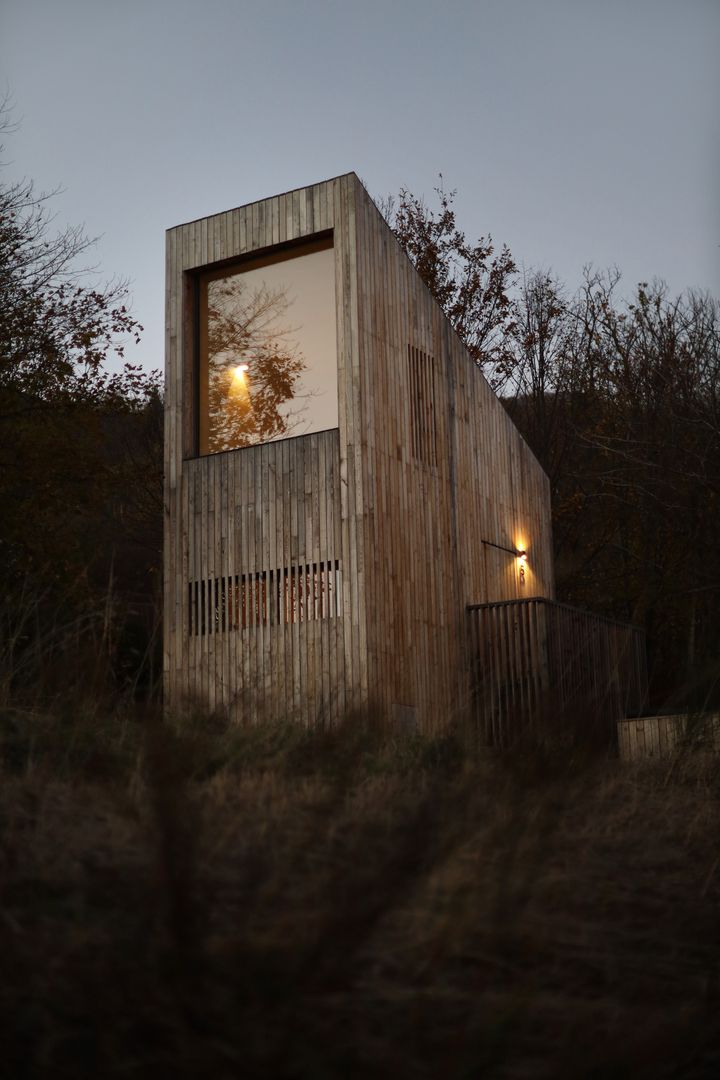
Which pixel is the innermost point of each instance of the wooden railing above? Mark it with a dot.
(552, 666)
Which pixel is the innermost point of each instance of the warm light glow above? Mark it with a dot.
(522, 556)
(238, 404)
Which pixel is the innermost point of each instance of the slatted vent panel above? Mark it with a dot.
(291, 594)
(423, 427)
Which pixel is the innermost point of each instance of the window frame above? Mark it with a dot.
(195, 330)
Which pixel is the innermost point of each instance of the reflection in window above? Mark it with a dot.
(268, 357)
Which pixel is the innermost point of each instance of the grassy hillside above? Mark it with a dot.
(205, 901)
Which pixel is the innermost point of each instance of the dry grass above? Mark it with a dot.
(217, 902)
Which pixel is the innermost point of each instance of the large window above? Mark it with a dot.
(268, 353)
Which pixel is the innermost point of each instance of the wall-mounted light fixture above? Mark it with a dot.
(519, 553)
(501, 547)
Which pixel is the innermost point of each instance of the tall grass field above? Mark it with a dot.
(194, 899)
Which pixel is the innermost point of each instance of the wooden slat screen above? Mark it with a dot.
(540, 662)
(423, 428)
(294, 594)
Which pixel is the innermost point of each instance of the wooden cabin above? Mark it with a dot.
(340, 480)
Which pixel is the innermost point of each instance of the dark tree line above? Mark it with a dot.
(80, 457)
(620, 401)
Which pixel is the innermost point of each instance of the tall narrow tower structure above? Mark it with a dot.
(340, 480)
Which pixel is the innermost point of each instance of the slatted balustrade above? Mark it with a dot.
(539, 662)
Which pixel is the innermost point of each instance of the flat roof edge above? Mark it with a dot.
(265, 198)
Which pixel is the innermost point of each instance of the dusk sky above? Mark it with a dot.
(574, 131)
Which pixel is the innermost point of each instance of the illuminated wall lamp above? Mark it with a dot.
(521, 556)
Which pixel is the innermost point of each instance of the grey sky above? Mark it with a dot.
(574, 131)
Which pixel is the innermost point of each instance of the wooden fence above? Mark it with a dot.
(666, 736)
(540, 663)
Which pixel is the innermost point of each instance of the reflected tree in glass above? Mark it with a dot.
(254, 365)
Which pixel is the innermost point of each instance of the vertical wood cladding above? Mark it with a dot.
(447, 476)
(248, 516)
(424, 466)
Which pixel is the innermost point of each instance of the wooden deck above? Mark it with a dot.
(538, 663)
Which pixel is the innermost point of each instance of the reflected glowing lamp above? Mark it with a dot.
(521, 555)
(239, 371)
